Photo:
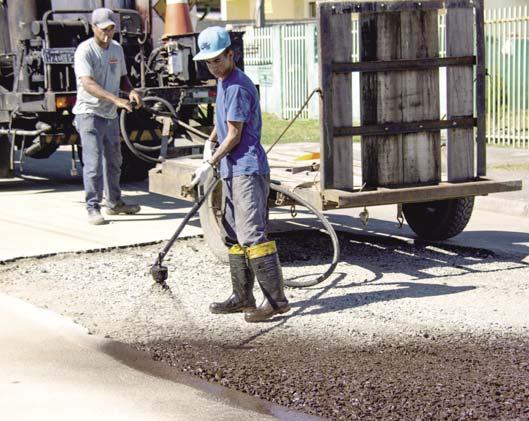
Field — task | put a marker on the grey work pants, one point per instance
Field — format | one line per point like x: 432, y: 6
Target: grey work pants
x: 245, y: 215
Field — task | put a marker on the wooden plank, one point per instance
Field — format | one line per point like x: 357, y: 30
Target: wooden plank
x: 335, y: 44
x: 400, y: 65
x: 460, y: 142
x: 481, y: 73
x: 411, y: 127
x: 441, y: 191
x: 421, y: 152
x: 347, y: 7
x: 381, y: 99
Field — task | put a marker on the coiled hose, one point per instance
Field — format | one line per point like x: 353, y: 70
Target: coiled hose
x: 330, y: 231
x: 138, y: 150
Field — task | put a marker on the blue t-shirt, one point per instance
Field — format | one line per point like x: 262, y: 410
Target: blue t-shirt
x: 237, y: 100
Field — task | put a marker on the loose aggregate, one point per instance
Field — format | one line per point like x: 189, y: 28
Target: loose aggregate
x: 400, y: 330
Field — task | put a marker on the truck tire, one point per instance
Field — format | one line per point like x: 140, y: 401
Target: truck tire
x: 210, y: 215
x: 133, y: 168
x: 440, y: 219
x: 5, y: 157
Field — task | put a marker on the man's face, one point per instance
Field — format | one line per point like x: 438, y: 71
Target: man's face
x: 222, y: 65
x: 104, y: 35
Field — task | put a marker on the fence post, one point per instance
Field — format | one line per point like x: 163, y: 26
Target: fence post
x: 277, y: 65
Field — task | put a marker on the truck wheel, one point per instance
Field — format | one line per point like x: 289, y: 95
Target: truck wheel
x: 439, y: 220
x: 5, y: 157
x: 133, y: 168
x: 210, y: 215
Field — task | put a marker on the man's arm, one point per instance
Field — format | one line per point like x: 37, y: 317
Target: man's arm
x: 232, y: 139
x: 94, y: 89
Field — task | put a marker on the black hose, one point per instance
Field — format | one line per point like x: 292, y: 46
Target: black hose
x: 128, y: 142
x: 159, y: 272
x: 138, y: 150
x: 330, y: 231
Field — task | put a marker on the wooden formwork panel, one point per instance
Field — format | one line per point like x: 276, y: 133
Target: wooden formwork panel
x: 400, y: 98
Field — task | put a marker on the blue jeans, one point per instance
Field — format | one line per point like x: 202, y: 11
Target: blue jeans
x: 101, y: 158
x: 245, y: 216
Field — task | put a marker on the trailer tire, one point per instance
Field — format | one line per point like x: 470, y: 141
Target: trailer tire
x: 210, y: 216
x: 439, y: 220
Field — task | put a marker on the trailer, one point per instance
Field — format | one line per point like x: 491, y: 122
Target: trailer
x: 400, y: 130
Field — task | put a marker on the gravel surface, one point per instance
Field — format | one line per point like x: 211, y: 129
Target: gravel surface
x: 400, y: 330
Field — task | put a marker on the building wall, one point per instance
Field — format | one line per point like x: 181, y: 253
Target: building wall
x: 493, y: 4
x: 274, y: 9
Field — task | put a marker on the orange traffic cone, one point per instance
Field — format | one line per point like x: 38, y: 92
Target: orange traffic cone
x: 177, y: 18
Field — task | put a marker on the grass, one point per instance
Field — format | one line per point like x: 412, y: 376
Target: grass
x: 300, y: 131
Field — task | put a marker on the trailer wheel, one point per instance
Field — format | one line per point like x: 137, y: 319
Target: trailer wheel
x: 210, y: 216
x: 440, y: 219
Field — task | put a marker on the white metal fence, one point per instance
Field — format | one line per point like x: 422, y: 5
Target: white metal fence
x: 283, y: 60
x: 507, y: 96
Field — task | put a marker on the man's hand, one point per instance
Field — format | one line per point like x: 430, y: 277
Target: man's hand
x: 208, y: 150
x: 135, y: 97
x: 123, y: 103
x: 203, y: 175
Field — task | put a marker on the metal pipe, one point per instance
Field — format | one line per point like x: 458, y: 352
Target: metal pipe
x: 5, y: 40
x: 20, y: 15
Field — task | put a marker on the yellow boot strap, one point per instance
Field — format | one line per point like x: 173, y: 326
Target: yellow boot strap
x: 260, y: 250
x: 236, y: 249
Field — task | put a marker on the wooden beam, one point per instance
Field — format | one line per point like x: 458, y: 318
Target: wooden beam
x: 403, y: 128
x: 441, y: 191
x: 348, y: 7
x: 335, y: 44
x: 481, y: 73
x: 400, y: 65
x: 460, y: 99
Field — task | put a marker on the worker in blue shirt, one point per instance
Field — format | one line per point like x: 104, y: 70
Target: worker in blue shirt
x: 245, y: 178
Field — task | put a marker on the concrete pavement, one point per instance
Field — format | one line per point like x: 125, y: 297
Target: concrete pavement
x: 51, y: 369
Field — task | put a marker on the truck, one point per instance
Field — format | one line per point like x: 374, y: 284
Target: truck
x: 38, y: 85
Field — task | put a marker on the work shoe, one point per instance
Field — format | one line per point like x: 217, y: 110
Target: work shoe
x: 122, y: 207
x: 264, y: 262
x: 95, y: 217
x: 242, y: 280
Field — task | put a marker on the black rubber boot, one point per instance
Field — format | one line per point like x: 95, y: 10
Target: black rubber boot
x: 242, y: 280
x: 264, y: 262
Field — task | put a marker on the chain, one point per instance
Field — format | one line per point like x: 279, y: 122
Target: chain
x: 317, y: 90
x: 364, y: 217
x: 400, y: 216
x: 293, y: 211
x: 180, y: 101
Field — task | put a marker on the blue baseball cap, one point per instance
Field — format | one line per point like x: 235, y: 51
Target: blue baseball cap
x: 212, y: 41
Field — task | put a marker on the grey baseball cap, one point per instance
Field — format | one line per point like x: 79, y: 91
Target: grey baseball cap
x: 103, y: 18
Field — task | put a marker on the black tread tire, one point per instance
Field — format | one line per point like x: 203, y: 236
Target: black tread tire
x: 5, y: 157
x: 210, y: 221
x: 439, y: 220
